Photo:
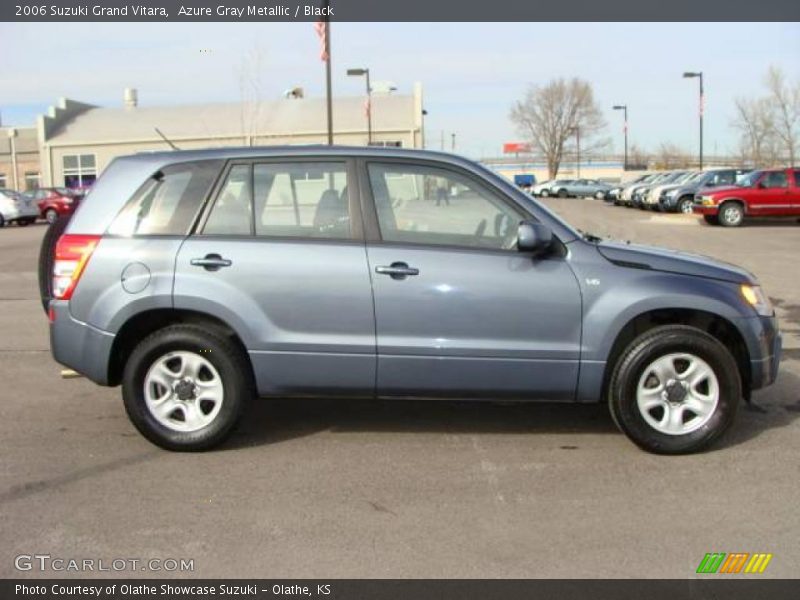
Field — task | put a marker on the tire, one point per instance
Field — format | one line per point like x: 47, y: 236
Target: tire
x: 2, y: 221
x: 23, y: 223
x: 711, y: 219
x: 685, y: 205
x: 544, y: 193
x: 654, y: 429
x: 562, y: 193
x: 47, y: 251
x: 731, y: 214
x: 51, y: 215
x: 224, y: 369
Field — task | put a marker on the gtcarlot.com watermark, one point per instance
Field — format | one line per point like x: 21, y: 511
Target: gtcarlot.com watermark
x: 44, y: 563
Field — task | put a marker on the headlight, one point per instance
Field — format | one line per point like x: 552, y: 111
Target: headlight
x: 755, y: 297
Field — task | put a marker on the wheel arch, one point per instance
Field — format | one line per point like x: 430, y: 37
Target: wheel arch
x: 717, y: 326
x: 735, y: 199
x: 144, y: 323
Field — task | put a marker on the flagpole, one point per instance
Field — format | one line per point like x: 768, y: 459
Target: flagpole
x: 328, y: 71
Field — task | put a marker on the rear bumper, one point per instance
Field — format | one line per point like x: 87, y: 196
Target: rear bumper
x: 78, y: 345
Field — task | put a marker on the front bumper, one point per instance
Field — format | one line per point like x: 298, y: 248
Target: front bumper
x: 764, y: 343
x: 78, y: 345
x: 705, y: 209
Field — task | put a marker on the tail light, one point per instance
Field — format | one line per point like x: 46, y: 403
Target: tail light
x: 72, y: 254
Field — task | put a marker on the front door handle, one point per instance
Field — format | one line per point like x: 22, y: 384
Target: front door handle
x: 397, y: 270
x: 211, y: 262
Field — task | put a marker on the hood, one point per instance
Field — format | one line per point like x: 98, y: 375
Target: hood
x: 672, y: 261
x: 721, y: 188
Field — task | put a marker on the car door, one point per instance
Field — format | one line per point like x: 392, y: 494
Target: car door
x: 774, y: 197
x: 280, y: 256
x: 459, y: 311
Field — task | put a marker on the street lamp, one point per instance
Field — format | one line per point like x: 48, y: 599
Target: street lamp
x: 699, y: 74
x: 365, y: 73
x: 624, y: 108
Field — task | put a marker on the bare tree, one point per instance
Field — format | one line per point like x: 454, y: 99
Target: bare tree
x: 670, y: 156
x: 755, y: 120
x: 549, y: 117
x: 250, y: 90
x: 637, y: 156
x: 785, y: 100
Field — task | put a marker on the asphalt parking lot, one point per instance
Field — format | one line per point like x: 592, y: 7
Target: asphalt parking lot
x: 338, y: 489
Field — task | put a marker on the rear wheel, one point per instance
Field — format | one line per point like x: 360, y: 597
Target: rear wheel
x: 685, y: 205
x: 731, y: 214
x: 562, y: 193
x: 23, y: 222
x: 185, y: 387
x: 674, y: 390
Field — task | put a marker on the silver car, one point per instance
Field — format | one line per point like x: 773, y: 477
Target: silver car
x: 16, y: 208
x: 202, y: 280
x: 582, y: 188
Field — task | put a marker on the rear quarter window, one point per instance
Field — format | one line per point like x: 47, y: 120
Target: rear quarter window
x: 168, y: 202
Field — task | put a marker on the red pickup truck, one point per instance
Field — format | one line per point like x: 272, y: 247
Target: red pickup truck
x: 768, y: 193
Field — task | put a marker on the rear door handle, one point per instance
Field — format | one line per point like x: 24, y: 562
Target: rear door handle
x: 211, y: 262
x: 397, y: 270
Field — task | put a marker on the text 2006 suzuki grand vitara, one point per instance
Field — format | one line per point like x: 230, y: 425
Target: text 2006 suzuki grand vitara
x: 200, y: 280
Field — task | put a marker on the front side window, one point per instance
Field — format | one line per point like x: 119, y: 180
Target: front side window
x: 797, y: 178
x: 775, y: 179
x: 725, y: 178
x: 167, y: 203
x: 430, y: 205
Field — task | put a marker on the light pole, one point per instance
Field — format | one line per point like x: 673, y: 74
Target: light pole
x: 624, y: 108
x: 365, y: 73
x: 699, y: 74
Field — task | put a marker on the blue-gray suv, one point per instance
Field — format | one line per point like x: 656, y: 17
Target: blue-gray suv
x: 201, y: 280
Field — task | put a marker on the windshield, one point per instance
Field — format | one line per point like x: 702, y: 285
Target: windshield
x: 749, y: 179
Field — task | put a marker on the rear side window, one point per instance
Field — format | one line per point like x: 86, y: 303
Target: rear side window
x: 292, y: 199
x: 168, y: 202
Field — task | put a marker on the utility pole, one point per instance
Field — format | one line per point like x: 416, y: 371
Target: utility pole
x: 328, y: 86
x: 452, y: 142
x: 624, y: 108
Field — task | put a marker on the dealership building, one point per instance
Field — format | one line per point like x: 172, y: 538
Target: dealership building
x: 72, y: 144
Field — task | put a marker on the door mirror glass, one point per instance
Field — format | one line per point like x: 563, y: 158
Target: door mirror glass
x: 534, y: 237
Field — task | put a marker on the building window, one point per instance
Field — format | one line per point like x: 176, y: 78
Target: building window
x: 395, y: 144
x: 80, y: 170
x: 32, y: 180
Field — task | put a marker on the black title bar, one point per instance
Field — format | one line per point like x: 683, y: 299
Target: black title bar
x: 401, y: 10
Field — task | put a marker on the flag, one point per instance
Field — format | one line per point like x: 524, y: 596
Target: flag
x: 367, y: 106
x: 702, y: 103
x: 321, y: 27
x: 625, y: 127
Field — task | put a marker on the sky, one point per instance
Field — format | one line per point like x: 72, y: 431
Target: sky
x: 472, y: 73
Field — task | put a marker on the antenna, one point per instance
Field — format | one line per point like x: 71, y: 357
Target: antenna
x: 163, y: 137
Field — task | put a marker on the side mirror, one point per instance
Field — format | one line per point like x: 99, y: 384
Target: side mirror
x: 534, y: 237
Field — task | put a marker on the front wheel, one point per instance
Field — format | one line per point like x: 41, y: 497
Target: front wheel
x: 685, y: 205
x: 731, y: 214
x: 185, y: 387
x: 674, y: 390
x: 51, y: 215
x: 562, y: 193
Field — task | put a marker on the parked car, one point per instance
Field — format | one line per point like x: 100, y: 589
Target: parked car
x: 627, y: 191
x: 54, y: 202
x: 681, y: 199
x: 555, y: 187
x: 542, y: 188
x: 769, y: 193
x: 650, y: 198
x: 581, y: 188
x: 14, y: 208
x: 612, y: 196
x: 637, y: 198
x: 200, y: 280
